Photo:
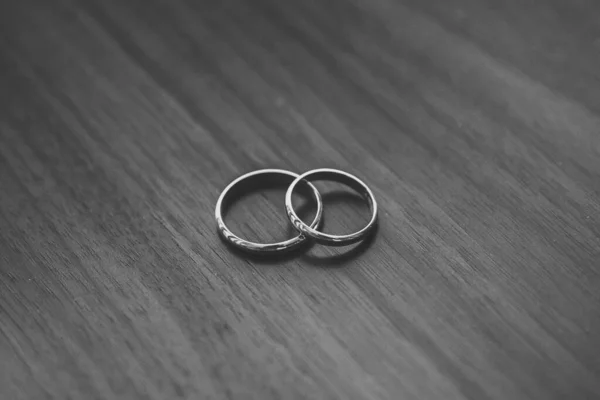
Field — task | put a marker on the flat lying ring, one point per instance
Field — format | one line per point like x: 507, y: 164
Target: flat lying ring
x: 341, y: 177
x: 248, y: 182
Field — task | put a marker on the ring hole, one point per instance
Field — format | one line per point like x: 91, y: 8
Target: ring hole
x: 257, y: 211
x: 344, y: 210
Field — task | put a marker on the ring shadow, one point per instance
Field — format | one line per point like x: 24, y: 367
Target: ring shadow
x: 339, y: 260
x: 333, y: 261
x: 266, y: 258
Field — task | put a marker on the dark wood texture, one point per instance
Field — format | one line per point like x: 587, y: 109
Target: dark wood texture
x: 476, y: 123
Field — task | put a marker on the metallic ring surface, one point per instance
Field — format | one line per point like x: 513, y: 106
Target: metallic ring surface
x: 237, y: 188
x: 341, y: 177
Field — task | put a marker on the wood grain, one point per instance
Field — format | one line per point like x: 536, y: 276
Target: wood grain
x: 476, y: 123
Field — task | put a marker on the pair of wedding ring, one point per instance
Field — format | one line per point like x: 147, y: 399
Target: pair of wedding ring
x: 248, y: 181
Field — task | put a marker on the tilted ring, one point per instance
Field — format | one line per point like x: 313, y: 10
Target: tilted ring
x: 341, y: 177
x: 236, y: 188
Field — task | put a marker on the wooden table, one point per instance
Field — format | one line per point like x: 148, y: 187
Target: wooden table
x: 475, y: 122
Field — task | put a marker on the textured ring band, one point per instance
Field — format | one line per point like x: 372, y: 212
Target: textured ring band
x: 237, y: 187
x: 341, y: 177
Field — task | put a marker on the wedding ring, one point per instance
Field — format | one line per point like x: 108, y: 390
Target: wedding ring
x: 246, y: 183
x: 341, y: 177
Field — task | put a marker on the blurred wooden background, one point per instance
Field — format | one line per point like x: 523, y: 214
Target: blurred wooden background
x: 476, y: 123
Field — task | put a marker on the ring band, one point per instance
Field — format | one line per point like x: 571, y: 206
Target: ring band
x: 341, y: 177
x: 236, y: 188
